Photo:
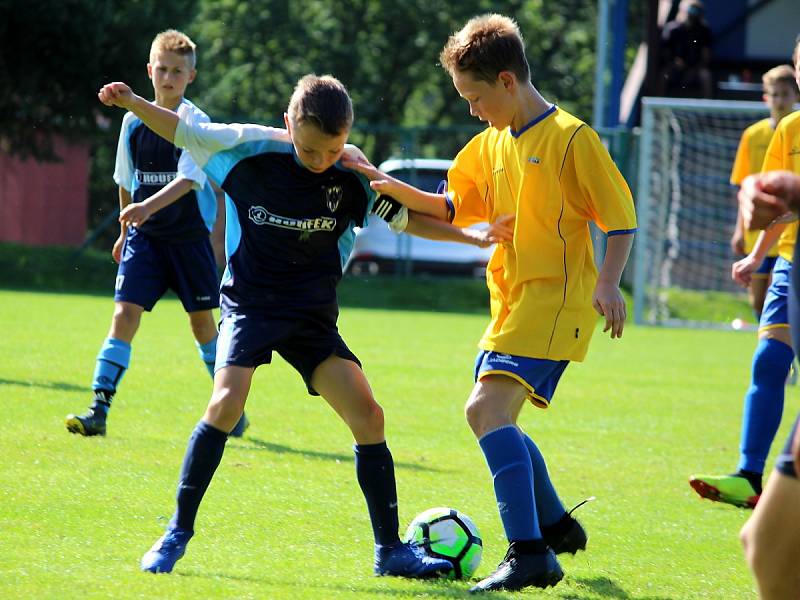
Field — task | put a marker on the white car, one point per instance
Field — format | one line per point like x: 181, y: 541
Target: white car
x: 377, y: 249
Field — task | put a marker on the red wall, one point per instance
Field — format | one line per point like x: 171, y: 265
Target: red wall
x: 45, y: 204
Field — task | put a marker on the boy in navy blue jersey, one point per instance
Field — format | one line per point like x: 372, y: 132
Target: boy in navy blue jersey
x: 290, y: 213
x: 168, y: 209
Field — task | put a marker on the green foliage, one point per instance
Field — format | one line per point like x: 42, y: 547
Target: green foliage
x: 284, y: 518
x: 55, y: 55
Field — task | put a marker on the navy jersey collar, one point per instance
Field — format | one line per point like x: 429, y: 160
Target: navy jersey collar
x: 529, y: 124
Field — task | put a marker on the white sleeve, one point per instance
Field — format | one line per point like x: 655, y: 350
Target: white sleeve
x: 204, y: 140
x: 187, y: 167
x: 123, y: 168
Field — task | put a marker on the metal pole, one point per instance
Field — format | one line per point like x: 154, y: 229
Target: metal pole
x: 600, y: 66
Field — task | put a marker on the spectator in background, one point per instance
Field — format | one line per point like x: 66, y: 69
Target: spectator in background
x: 686, y: 53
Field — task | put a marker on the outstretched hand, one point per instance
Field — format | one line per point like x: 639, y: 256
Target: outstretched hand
x: 116, y: 94
x: 378, y: 180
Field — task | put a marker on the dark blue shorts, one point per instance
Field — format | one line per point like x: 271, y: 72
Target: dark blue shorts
x: 539, y: 375
x: 766, y: 267
x: 776, y: 303
x: 248, y: 340
x: 785, y: 463
x: 149, y: 267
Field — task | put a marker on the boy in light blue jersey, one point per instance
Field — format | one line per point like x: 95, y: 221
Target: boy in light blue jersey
x: 168, y: 209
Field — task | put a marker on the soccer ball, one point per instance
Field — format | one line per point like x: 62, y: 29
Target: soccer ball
x: 447, y: 533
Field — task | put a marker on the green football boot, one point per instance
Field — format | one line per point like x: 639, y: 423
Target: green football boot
x: 730, y: 489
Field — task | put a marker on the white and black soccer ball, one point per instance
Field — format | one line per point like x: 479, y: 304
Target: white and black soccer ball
x: 446, y: 533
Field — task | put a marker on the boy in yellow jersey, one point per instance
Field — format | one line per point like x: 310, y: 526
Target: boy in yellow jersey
x: 763, y: 403
x: 550, y: 172
x: 780, y: 94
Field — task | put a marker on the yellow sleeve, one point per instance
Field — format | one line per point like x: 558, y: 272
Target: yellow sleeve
x: 604, y: 193
x: 741, y: 164
x: 467, y: 188
x: 773, y: 159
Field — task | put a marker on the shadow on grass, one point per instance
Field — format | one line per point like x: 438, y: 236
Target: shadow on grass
x: 428, y: 588
x: 605, y: 587
x: 251, y: 443
x: 48, y: 385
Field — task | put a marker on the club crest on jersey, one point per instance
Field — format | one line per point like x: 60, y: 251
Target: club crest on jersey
x: 258, y: 215
x: 333, y: 196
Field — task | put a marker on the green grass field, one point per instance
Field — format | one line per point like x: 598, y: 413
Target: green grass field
x: 284, y: 518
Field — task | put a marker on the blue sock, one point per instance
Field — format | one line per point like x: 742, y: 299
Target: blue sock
x: 763, y: 404
x: 202, y: 458
x: 112, y: 362
x: 208, y: 352
x: 375, y: 474
x: 512, y: 471
x: 548, y: 505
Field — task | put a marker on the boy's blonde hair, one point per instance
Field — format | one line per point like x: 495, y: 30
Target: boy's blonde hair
x: 779, y: 74
x: 175, y: 41
x: 485, y: 46
x: 323, y: 101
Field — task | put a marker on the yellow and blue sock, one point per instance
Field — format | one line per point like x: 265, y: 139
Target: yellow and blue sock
x: 763, y: 404
x: 203, y: 455
x: 112, y: 362
x: 512, y: 471
x: 208, y: 353
x: 375, y: 474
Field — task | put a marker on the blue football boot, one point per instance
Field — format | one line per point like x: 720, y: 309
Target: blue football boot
x: 167, y: 550
x: 405, y: 560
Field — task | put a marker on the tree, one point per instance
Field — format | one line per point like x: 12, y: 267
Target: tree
x: 55, y: 54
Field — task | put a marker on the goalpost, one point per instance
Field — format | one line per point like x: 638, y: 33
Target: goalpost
x: 685, y: 205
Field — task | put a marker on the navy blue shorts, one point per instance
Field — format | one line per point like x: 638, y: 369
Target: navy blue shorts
x: 785, y: 463
x: 539, y: 375
x: 149, y: 267
x: 248, y: 340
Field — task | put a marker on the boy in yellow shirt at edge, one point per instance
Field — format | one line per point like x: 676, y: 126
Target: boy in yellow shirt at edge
x: 551, y: 173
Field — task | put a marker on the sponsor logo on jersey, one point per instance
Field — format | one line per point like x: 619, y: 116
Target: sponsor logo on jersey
x: 154, y: 177
x: 261, y: 216
x: 534, y: 160
x: 333, y: 195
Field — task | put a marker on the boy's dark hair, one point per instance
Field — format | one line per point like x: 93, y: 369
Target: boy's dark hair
x: 485, y: 46
x: 323, y: 101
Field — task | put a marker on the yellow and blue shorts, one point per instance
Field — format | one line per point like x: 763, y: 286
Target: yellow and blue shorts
x: 775, y: 314
x: 766, y: 267
x: 539, y: 375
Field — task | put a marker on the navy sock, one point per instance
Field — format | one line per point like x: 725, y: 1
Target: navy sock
x: 208, y: 353
x: 548, y: 504
x: 763, y: 404
x: 512, y: 471
x: 375, y: 474
x: 112, y: 362
x: 202, y: 458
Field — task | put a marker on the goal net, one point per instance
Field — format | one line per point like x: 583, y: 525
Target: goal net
x: 685, y: 204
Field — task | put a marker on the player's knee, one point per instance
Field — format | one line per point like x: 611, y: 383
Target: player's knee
x: 477, y: 414
x: 203, y: 327
x: 372, y: 418
x: 126, y: 319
